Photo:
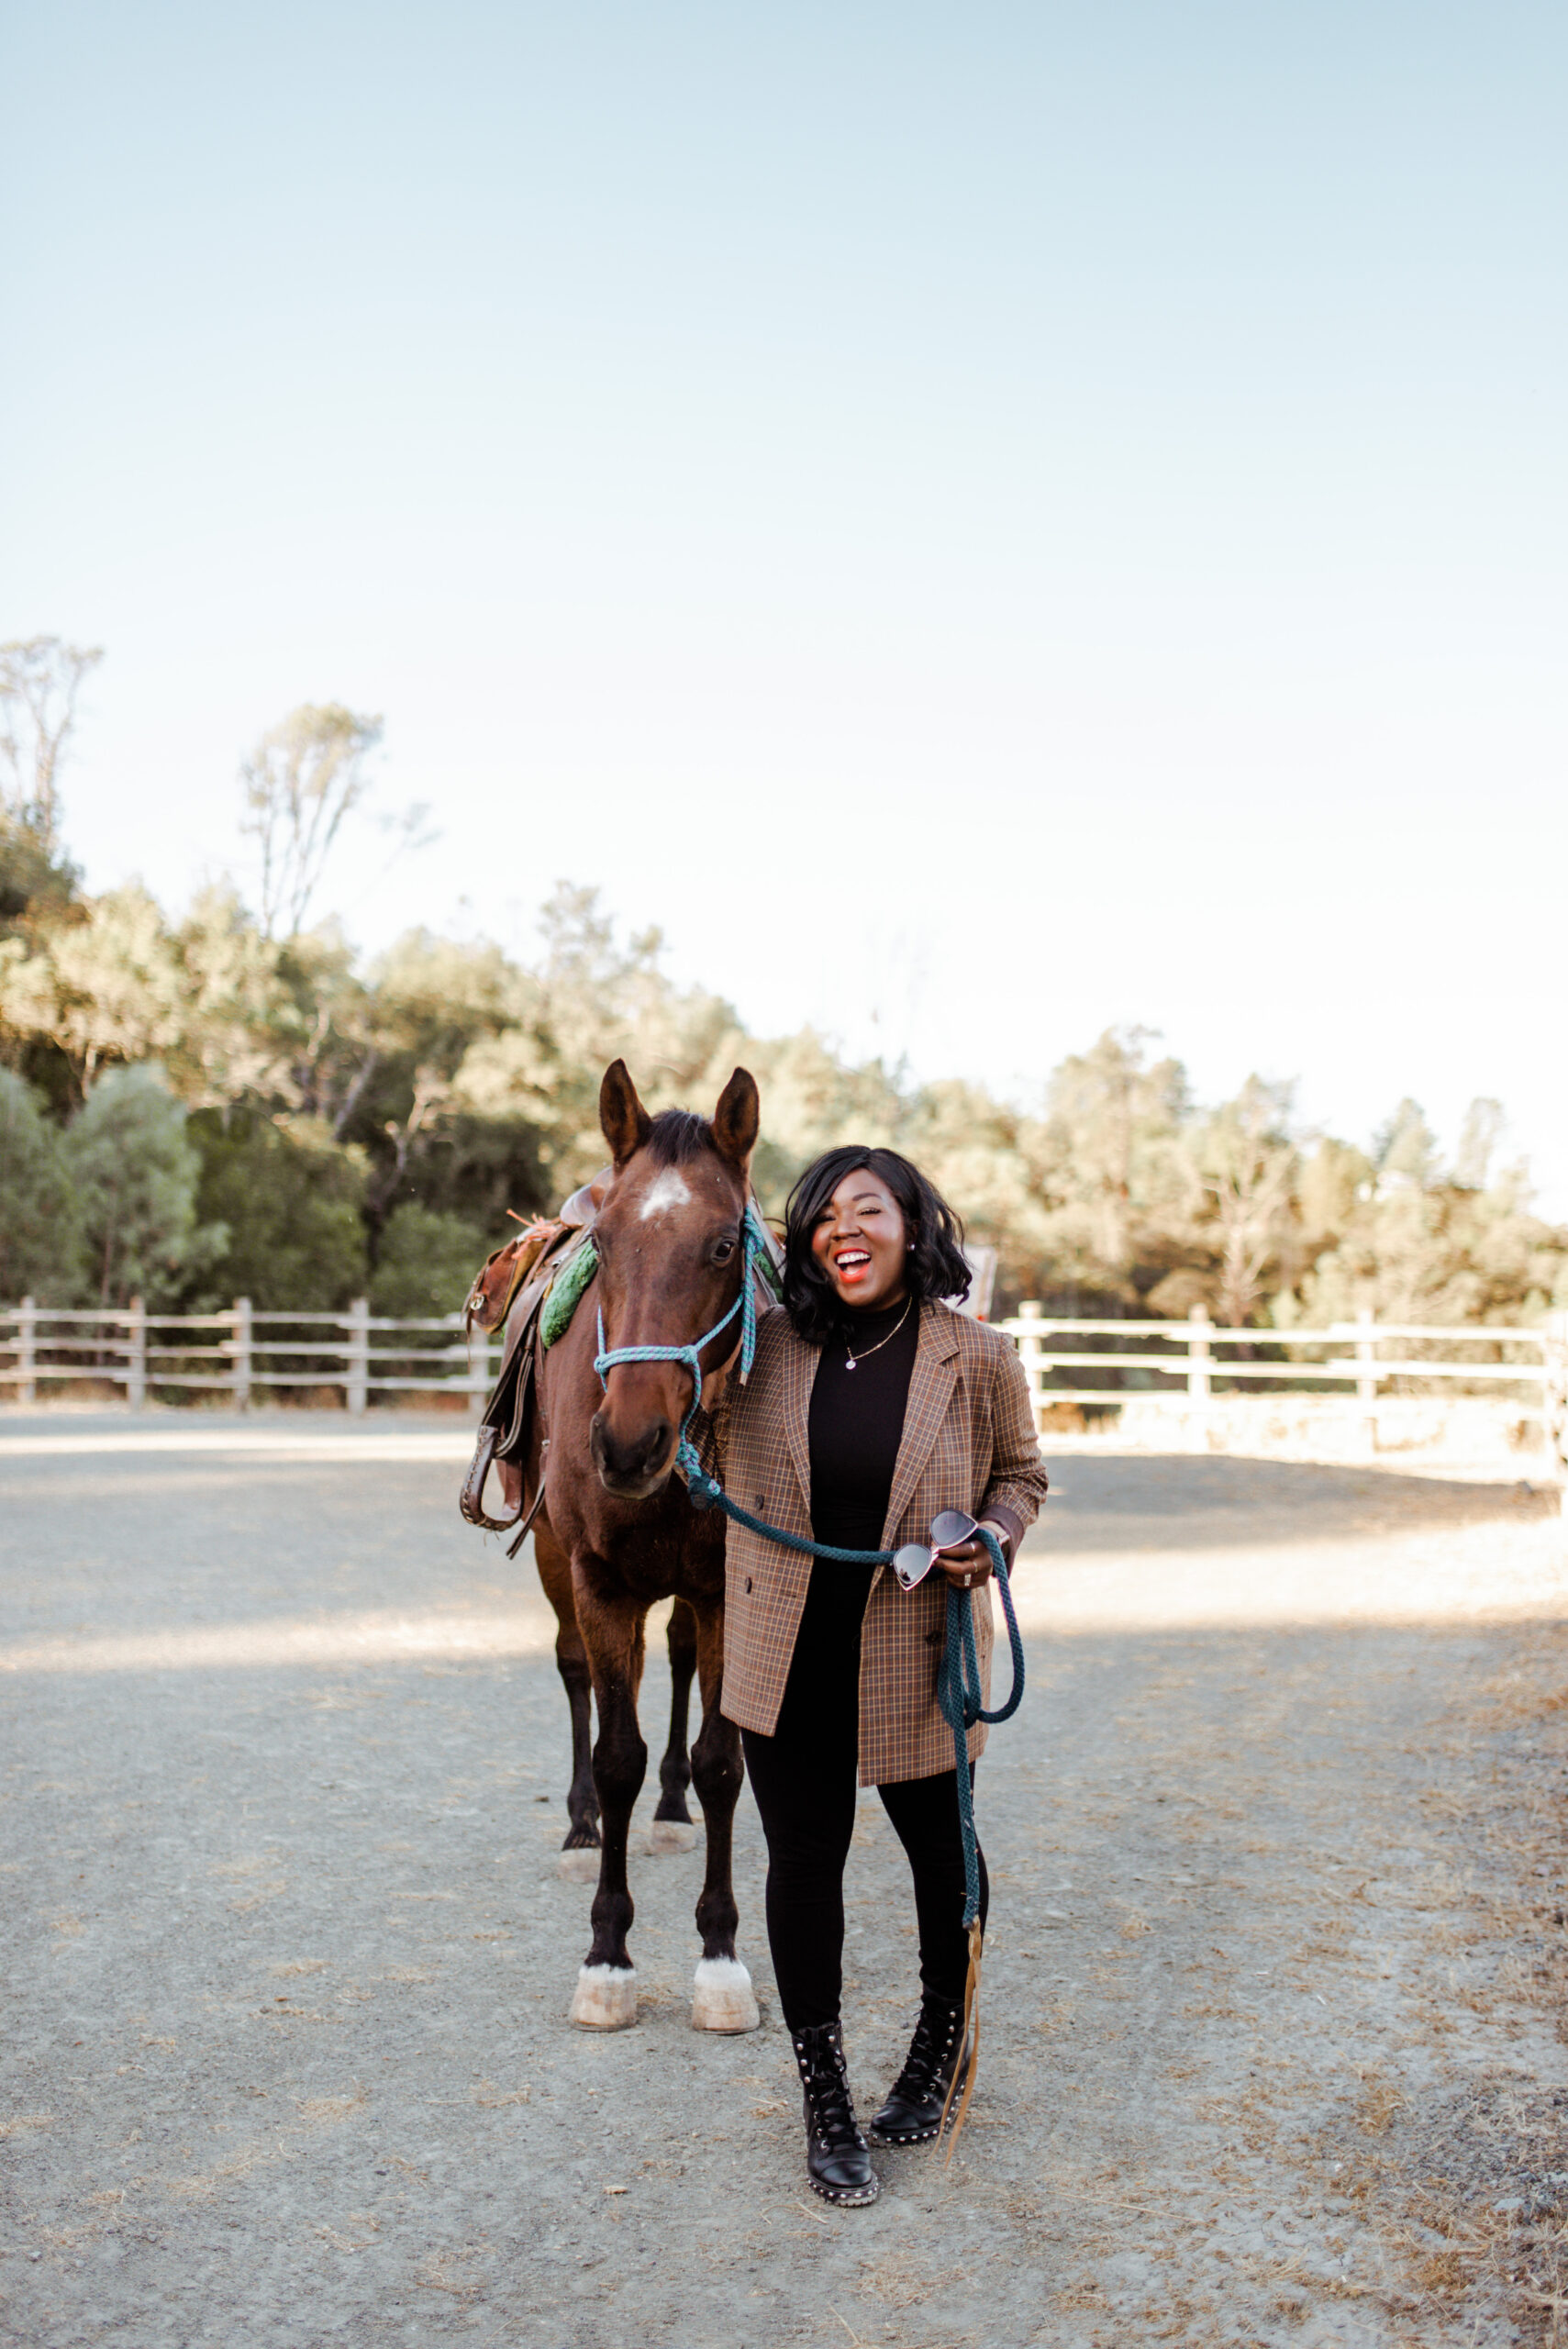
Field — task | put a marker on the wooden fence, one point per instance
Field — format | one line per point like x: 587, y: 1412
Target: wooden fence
x: 239, y: 1352
x: 1199, y: 1359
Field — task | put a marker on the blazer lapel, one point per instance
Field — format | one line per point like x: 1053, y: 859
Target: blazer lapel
x: 801, y: 1362
x: 931, y: 1383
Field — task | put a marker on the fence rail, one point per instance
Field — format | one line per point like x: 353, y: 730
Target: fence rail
x: 240, y: 1352
x: 1196, y: 1357
x: 237, y: 1351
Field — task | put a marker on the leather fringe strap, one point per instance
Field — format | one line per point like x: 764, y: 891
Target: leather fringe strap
x: 970, y: 2016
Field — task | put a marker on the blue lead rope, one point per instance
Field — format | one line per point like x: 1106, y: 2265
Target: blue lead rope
x: 959, y: 1690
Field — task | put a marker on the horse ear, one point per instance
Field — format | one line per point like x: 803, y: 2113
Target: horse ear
x: 737, y: 1118
x: 623, y: 1121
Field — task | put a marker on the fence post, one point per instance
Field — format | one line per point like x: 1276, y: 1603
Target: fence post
x: 1366, y: 1352
x: 1366, y: 1375
x: 27, y: 1351
x: 1031, y: 1350
x: 1199, y: 1358
x: 243, y: 1341
x: 359, y: 1355
x: 478, y: 1370
x: 136, y: 1355
x: 1554, y: 1397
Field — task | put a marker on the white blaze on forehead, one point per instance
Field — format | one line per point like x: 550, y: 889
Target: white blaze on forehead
x: 667, y: 1193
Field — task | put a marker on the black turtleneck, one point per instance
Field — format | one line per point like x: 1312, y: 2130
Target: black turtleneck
x: 856, y: 1423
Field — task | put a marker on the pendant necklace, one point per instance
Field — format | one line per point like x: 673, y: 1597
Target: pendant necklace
x: 850, y: 1358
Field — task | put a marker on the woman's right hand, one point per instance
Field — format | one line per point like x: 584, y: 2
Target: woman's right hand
x: 968, y: 1564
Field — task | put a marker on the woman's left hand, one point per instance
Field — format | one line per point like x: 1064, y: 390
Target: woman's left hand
x: 968, y: 1564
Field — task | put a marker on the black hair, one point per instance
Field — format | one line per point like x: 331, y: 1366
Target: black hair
x: 936, y: 1266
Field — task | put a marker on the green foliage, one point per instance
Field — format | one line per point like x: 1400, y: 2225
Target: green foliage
x: 34, y: 878
x: 133, y: 1170
x: 290, y: 1200
x: 427, y: 1263
x: 367, y: 1128
x: 41, y: 1239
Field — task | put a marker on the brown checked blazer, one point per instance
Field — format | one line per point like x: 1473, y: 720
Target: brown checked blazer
x: 968, y: 1442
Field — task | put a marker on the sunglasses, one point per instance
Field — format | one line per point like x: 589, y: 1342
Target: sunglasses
x: 915, y: 1561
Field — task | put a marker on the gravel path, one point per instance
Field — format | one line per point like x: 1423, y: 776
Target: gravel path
x: 288, y: 1957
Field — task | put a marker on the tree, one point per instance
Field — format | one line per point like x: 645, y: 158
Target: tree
x: 40, y: 1234
x: 39, y: 680
x: 117, y: 983
x: 299, y: 782
x: 1247, y: 1164
x: 289, y: 1199
x: 427, y: 1263
x: 1118, y: 1190
x: 1482, y: 1132
x: 134, y: 1171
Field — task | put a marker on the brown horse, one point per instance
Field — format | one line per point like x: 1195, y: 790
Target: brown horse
x: 618, y: 1533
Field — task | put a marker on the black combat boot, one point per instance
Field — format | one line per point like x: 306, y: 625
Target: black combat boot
x: 913, y: 2109
x: 837, y: 2158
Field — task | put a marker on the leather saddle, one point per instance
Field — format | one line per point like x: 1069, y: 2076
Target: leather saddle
x: 511, y: 1288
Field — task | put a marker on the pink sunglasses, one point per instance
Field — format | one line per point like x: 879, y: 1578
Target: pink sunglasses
x: 913, y: 1561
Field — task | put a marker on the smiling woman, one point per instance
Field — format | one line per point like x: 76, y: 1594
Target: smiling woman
x: 873, y: 1406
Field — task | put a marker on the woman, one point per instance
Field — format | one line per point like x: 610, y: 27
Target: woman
x: 871, y: 1406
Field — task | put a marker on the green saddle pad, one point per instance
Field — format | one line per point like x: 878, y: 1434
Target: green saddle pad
x: 566, y: 1293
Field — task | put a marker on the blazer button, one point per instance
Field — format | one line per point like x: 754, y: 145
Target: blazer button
x: 748, y: 1582
x: 761, y: 1500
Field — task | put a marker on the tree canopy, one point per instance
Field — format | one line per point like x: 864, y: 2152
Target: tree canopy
x: 230, y: 1103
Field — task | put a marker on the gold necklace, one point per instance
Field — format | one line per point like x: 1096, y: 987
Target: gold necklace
x: 850, y: 1359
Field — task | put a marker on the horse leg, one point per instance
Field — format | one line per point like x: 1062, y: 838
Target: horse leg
x: 612, y: 1628
x: 572, y: 1663
x: 672, y: 1830
x: 722, y: 1996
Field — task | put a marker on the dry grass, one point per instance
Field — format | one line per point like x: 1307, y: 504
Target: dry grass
x: 1471, y: 2191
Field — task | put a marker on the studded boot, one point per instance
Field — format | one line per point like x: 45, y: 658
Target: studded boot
x: 913, y: 2111
x: 838, y: 2161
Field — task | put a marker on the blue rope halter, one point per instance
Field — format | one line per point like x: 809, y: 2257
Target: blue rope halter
x: 753, y: 1241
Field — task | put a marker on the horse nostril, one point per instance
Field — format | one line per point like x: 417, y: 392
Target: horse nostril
x: 630, y: 1459
x: 654, y: 1443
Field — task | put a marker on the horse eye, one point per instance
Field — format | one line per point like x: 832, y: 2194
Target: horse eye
x: 722, y: 1251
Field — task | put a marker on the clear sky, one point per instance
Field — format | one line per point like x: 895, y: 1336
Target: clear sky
x: 982, y: 522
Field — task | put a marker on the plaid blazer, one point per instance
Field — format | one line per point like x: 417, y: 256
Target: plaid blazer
x: 968, y: 1442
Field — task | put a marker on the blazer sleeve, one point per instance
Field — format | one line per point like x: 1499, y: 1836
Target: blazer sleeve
x: 1018, y: 1480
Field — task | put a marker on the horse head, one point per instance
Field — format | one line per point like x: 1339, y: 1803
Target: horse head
x: 669, y: 1235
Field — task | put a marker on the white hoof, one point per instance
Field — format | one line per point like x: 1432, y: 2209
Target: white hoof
x: 606, y: 1997
x: 672, y: 1836
x: 722, y: 1996
x: 580, y: 1865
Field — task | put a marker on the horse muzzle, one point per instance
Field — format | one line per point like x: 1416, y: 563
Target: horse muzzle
x: 631, y: 1467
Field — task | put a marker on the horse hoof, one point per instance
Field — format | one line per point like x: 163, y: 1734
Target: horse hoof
x: 672, y: 1836
x: 606, y: 1997
x: 722, y: 1996
x: 581, y: 1866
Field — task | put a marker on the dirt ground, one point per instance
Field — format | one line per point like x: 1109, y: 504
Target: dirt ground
x: 1273, y: 1988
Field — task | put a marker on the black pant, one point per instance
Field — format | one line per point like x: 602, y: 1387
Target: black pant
x: 803, y: 1778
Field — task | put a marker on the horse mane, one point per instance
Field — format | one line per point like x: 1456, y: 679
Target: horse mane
x: 677, y: 1136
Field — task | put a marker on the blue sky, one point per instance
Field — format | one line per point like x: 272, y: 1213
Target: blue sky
x: 983, y: 524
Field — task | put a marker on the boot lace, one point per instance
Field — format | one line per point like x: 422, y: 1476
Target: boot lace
x: 832, y: 2108
x: 931, y: 2050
